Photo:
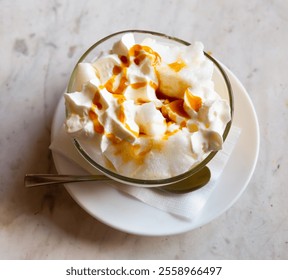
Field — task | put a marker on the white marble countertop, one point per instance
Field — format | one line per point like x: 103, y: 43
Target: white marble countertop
x: 40, y: 43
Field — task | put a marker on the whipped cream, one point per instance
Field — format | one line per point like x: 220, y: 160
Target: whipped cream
x: 147, y: 110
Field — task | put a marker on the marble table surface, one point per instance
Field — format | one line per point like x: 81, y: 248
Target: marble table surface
x: 40, y: 43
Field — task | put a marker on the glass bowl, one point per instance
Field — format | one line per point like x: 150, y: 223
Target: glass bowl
x: 221, y: 84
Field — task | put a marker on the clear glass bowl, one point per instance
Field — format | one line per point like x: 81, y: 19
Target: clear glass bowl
x: 222, y: 87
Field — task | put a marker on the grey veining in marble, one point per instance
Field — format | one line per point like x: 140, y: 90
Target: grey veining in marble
x: 40, y: 43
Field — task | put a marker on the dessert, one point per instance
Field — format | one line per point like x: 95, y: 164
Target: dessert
x: 147, y: 110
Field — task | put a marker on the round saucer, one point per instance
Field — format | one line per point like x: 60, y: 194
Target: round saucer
x: 127, y: 214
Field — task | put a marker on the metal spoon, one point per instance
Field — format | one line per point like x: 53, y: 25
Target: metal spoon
x: 189, y: 184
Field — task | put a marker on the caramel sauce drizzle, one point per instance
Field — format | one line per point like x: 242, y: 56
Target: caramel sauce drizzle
x: 109, y: 84
x: 135, y: 133
x: 96, y: 100
x: 140, y: 52
x: 177, y: 107
x: 121, y: 114
x: 138, y: 85
x: 136, y: 152
x: 153, y: 85
x: 124, y: 60
x: 195, y: 102
x: 193, y: 127
x: 129, y: 152
x: 113, y: 138
x: 98, y: 127
x: 177, y: 65
x: 169, y: 133
x: 117, y: 70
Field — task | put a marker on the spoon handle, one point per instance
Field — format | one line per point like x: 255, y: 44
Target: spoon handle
x: 191, y: 183
x: 35, y: 180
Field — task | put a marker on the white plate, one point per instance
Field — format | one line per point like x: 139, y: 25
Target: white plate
x: 127, y: 214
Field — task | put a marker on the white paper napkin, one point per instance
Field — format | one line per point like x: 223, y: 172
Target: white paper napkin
x: 185, y: 205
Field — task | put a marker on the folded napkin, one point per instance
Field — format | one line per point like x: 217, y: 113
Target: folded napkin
x: 185, y: 205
